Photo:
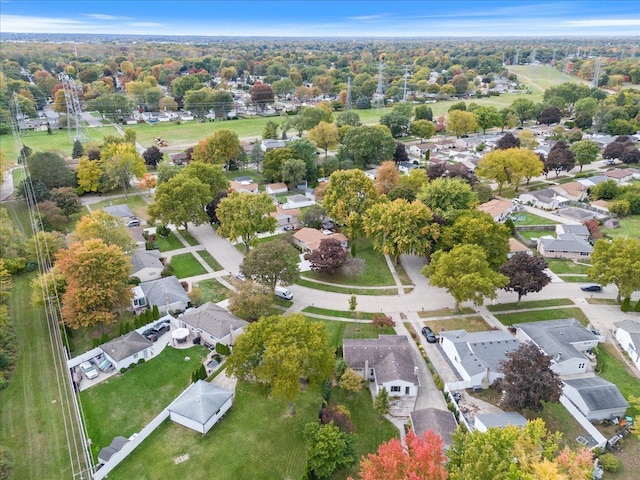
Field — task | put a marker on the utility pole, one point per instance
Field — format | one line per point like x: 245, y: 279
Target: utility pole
x: 379, y: 95
x: 404, y: 90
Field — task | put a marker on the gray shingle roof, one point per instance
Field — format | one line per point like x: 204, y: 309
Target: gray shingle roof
x: 146, y: 259
x: 566, y: 243
x: 501, y: 419
x: 545, y: 195
x: 633, y: 328
x: 389, y: 355
x: 441, y: 422
x: 116, y: 445
x: 556, y: 337
x: 125, y: 346
x: 200, y: 401
x: 479, y: 351
x: 598, y: 393
x: 213, y: 320
x: 158, y: 292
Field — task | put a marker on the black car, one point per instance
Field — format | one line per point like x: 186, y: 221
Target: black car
x: 429, y: 335
x: 161, y: 327
x: 591, y: 288
x: 150, y: 334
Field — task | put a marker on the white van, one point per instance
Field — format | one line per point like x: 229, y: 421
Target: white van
x: 283, y: 293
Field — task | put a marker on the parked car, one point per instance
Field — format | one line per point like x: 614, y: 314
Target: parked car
x: 150, y: 334
x: 429, y: 335
x: 161, y: 328
x: 89, y: 371
x: 241, y: 276
x: 283, y: 293
x: 591, y: 288
x: 134, y: 222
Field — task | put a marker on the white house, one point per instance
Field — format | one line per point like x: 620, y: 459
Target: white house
x: 200, y: 406
x: 627, y: 333
x: 167, y: 293
x: 547, y: 199
x: 595, y: 397
x: 406, y: 167
x: 298, y: 201
x: 484, y: 421
x: 386, y: 361
x: 127, y: 349
x: 308, y: 239
x: 146, y: 265
x: 476, y: 356
x: 275, y: 188
x: 213, y: 324
x: 565, y: 341
x: 566, y: 245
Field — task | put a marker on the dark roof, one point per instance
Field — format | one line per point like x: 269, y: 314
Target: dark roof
x: 200, y: 401
x: 389, y: 355
x: 500, y: 420
x: 441, y: 422
x: 566, y: 242
x: 116, y: 445
x: 125, y: 346
x: 598, y: 393
x: 213, y: 320
x: 164, y: 290
x: 146, y: 259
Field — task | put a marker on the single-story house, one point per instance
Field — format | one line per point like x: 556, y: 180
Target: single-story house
x: 271, y: 144
x: 167, y: 293
x: 595, y: 397
x: 121, y: 211
x: 578, y: 214
x: 372, y: 173
x: 575, y: 191
x: 601, y: 205
x: 146, y: 265
x: 243, y: 187
x: 386, y: 361
x: 406, y: 167
x: 287, y: 219
x: 593, y: 181
x: 566, y: 245
x: 441, y: 422
x: 547, y: 199
x: 621, y: 175
x: 565, y: 341
x: 419, y: 149
x: 127, y: 349
x: 484, y: 421
x: 200, y: 406
x: 476, y: 356
x: 180, y: 158
x: 115, y: 446
x: 516, y: 247
x: 308, y: 239
x: 627, y: 333
x: 578, y: 231
x: 212, y: 323
x: 275, y: 188
x: 298, y: 201
x: 499, y: 210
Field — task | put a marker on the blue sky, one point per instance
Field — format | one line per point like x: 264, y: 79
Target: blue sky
x: 433, y: 18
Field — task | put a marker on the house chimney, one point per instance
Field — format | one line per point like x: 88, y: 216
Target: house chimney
x: 558, y: 356
x: 415, y: 371
x: 366, y: 369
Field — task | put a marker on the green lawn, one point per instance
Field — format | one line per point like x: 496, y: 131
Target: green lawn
x: 213, y: 290
x: 529, y: 234
x: 188, y: 237
x: 470, y: 324
x: 338, y: 330
x: 531, y: 219
x: 539, y: 315
x: 31, y: 422
x: 629, y: 227
x: 559, y: 266
x: 209, y: 260
x: 348, y: 290
x: 256, y: 439
x: 615, y: 370
x: 444, y: 312
x: 543, y: 77
x: 123, y: 404
x: 574, y: 278
x: 136, y: 203
x: 339, y: 313
x: 169, y: 243
x: 82, y: 339
x: 185, y: 265
x: 557, y: 302
x: 558, y: 419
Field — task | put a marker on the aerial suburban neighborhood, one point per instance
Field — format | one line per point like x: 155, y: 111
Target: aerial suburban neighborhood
x: 319, y: 248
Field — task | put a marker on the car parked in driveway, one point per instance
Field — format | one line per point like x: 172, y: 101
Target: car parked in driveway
x: 134, y: 222
x: 429, y: 335
x: 161, y: 327
x: 150, y: 334
x: 89, y: 371
x: 591, y: 288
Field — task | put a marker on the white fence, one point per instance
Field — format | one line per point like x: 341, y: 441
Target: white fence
x: 75, y: 361
x: 128, y: 447
x: 450, y: 387
x: 583, y: 421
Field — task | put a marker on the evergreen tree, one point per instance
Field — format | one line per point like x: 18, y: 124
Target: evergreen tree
x: 381, y: 403
x: 78, y: 149
x: 156, y: 313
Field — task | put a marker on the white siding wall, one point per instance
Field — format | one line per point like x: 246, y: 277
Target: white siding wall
x: 124, y: 363
x: 624, y: 339
x: 402, y: 386
x: 450, y: 350
x: 571, y: 366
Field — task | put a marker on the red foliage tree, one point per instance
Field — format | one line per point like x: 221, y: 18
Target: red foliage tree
x: 339, y: 415
x: 262, y: 95
x: 423, y: 457
x: 328, y: 257
x: 594, y: 229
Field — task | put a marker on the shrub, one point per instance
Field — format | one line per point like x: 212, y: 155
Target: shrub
x: 141, y: 361
x: 163, y: 231
x: 637, y: 307
x: 353, y: 266
x: 134, y: 281
x: 133, y: 365
x: 223, y: 349
x: 609, y: 462
x: 156, y: 313
x: 167, y: 271
x: 626, y: 305
x: 123, y: 369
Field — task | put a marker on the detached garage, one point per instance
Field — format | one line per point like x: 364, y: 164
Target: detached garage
x: 200, y: 406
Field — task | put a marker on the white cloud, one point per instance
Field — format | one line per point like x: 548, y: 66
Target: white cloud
x: 100, y: 16
x: 145, y: 24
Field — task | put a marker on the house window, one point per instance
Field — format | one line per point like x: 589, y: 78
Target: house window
x: 395, y: 389
x: 406, y: 390
x: 135, y: 355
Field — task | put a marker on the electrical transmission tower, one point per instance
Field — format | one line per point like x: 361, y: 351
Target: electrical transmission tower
x: 553, y: 59
x: 515, y: 60
x: 379, y: 95
x: 404, y: 89
x: 74, y: 112
x: 565, y: 71
x: 596, y: 75
x: 534, y: 67
x: 347, y: 104
x: 17, y: 114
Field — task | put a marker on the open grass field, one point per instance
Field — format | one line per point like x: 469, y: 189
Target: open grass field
x: 553, y: 302
x: 541, y: 77
x: 123, y: 404
x: 31, y: 422
x: 186, y: 265
x: 629, y: 227
x: 539, y: 315
x: 213, y: 291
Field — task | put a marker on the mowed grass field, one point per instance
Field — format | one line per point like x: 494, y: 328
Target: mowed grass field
x: 541, y: 77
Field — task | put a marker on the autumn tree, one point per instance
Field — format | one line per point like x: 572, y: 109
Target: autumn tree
x: 180, y: 201
x: 97, y: 282
x: 47, y: 244
x: 528, y: 379
x: 152, y: 156
x: 328, y: 257
x: 423, y: 129
x: 273, y: 161
x: 262, y: 95
x: 419, y: 457
x: 510, y: 166
x: 525, y: 273
x: 550, y: 115
x: 400, y: 227
x: 465, y: 273
x: 45, y: 284
x: 277, y: 351
x: 251, y: 301
x: 329, y: 449
x: 349, y: 195
x: 445, y: 196
x: 528, y: 139
x: 508, y: 140
x: 272, y: 263
x: 148, y: 181
x: 616, y: 262
x: 122, y: 163
x: 585, y: 152
x: 339, y: 415
x: 242, y: 216
x: 104, y: 226
x: 325, y: 135
x: 221, y: 148
x: 350, y: 380
x: 89, y: 173
x: 387, y: 177
x: 459, y: 122
x: 560, y: 158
